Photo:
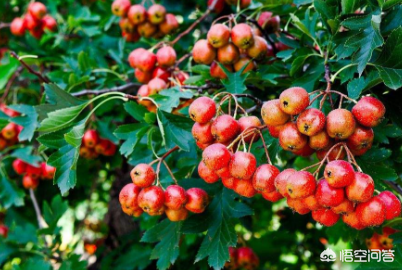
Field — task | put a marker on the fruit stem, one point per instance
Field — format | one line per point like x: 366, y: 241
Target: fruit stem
x: 170, y: 172
x: 265, y: 147
x: 316, y: 97
x: 342, y: 95
x: 342, y: 69
x: 321, y: 163
x: 160, y: 160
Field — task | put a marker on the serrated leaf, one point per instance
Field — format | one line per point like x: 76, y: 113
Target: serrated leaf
x: 75, y: 135
x: 26, y: 155
x: 235, y: 81
x: 54, y: 140
x: 378, y: 170
x: 328, y: 10
x: 384, y: 131
x: 10, y: 194
x: 7, y: 70
x: 132, y: 134
x: 53, y: 212
x: 28, y: 120
x: 167, y: 250
x: 135, y: 110
x: 170, y: 98
x: 176, y: 130
x: 357, y: 86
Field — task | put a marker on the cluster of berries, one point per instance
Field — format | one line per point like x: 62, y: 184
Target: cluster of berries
x: 138, y: 22
x: 233, y: 48
x: 32, y: 174
x: 143, y: 196
x: 93, y: 145
x: 156, y: 71
x: 219, y: 5
x: 36, y: 21
x: 9, y: 134
x: 342, y: 192
x: 381, y: 241
x: 313, y: 131
x: 242, y: 258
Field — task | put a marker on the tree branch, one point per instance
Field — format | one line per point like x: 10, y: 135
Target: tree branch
x: 394, y: 186
x: 130, y: 86
x: 39, y: 216
x: 4, y: 25
x: 42, y: 78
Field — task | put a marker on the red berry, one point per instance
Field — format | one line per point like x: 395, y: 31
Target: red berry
x: 47, y: 171
x: 300, y: 185
x: 166, y: 56
x: 3, y: 230
x: 161, y: 74
x: 90, y: 139
x: 369, y: 111
x: 137, y: 14
x: 272, y: 115
x: 294, y: 100
x: 218, y: 5
x: 218, y: 35
x: 151, y: 199
x: 10, y: 131
x: 156, y: 14
x: 217, y: 72
x: 228, y: 54
x: 19, y: 166
x: 176, y: 215
x: 306, y: 151
x: 143, y: 175
x: 224, y: 128
x: 228, y: 182
x: 202, y: 110
x: 30, y: 181
x: 344, y: 207
x: 298, y: 206
x: 340, y: 124
x: 351, y: 220
x: 319, y: 141
x: 128, y: 198
x: 392, y: 204
x: 169, y: 24
x: 142, y: 77
x: 339, y: 173
x: 175, y: 197
x: 311, y: 203
x: 203, y: 52
x: 274, y: 130
x: 18, y: 27
x: 206, y: 174
x: 49, y: 23
x: 197, y: 200
x: 232, y: 263
x: 156, y: 85
x: 242, y: 165
x: 145, y: 61
x: 372, y: 212
x: 247, y: 123
x: 37, y: 10
x: 291, y: 139
x: 242, y: 35
x: 202, y: 132
x: 264, y: 178
x: 35, y: 172
x: 216, y: 156
x: 244, y: 187
x: 273, y: 196
x: 244, y: 61
x: 246, y: 258
x: 325, y: 217
x: 361, y: 189
x: 268, y: 22
x: 281, y: 181
x: 121, y: 7
x: 311, y: 121
x: 329, y: 196
x: 361, y: 140
x: 134, y: 55
x: 259, y: 49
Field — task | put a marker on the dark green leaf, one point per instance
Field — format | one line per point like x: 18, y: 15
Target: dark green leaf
x: 29, y: 120
x: 10, y: 194
x: 235, y: 81
x: 23, y: 234
x: 358, y: 85
x: 132, y: 134
x: 7, y: 70
x: 26, y: 155
x: 73, y: 263
x: 170, y: 98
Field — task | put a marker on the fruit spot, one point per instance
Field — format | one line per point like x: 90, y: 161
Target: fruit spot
x: 285, y: 104
x: 306, y: 127
x: 329, y: 173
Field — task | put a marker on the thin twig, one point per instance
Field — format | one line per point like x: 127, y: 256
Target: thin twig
x: 200, y: 88
x: 133, y: 86
x: 39, y: 216
x: 42, y: 78
x: 161, y: 159
x: 4, y: 25
x: 327, y: 76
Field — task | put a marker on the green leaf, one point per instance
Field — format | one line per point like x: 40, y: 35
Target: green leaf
x: 359, y: 85
x: 378, y: 170
x: 221, y: 234
x: 10, y: 194
x: 53, y: 212
x: 53, y: 140
x: 384, y: 131
x: 137, y: 257
x: 73, y: 263
x: 37, y: 263
x: 376, y: 155
x: 74, y: 136
x: 135, y: 110
x: 170, y: 98
x: 29, y: 121
x: 132, y: 134
x: 350, y: 6
x: 176, y: 130
x: 390, y: 3
x: 26, y: 155
x: 167, y: 250
x: 23, y: 234
x: 366, y: 37
x: 7, y: 70
x: 65, y: 160
x: 328, y: 11
x: 235, y: 81
x: 5, y: 250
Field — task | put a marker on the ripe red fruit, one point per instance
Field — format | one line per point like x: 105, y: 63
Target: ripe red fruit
x: 242, y: 35
x: 319, y: 141
x: 272, y: 115
x: 290, y: 138
x: 31, y: 23
x: 340, y: 124
x: 49, y: 23
x: 294, y: 100
x: 121, y: 7
x: 344, y: 207
x: 218, y: 7
x: 361, y: 189
x: 259, y: 49
x: 147, y: 29
x: 156, y: 85
x: 10, y: 131
x: 102, y: 146
x: 369, y: 111
x: 248, y: 122
x: 203, y: 52
x: 169, y: 24
x: 8, y: 111
x: 217, y: 72
x: 268, y: 22
x: 311, y: 121
x: 244, y: 188
x: 246, y: 258
x: 91, y: 138
x: 37, y: 10
x: 391, y: 203
x: 281, y: 181
x: 47, y: 171
x: 151, y: 199
x: 18, y: 27
x: 228, y: 182
x: 128, y: 198
x: 157, y: 212
x: 361, y: 140
x: 35, y: 172
x: 176, y: 215
x: 339, y: 173
x: 30, y: 182
x: 218, y: 35
x: 264, y: 178
x: 3, y: 230
x: 19, y: 166
x: 329, y: 196
x: 126, y: 26
x: 242, y: 165
x: 298, y: 206
x: 244, y: 3
x: 145, y: 61
x: 351, y: 220
x: 274, y: 130
x: 141, y: 76
x: 232, y: 263
x: 337, y: 153
x: 175, y: 197
x: 300, y: 185
x: 224, y: 128
x: 156, y: 14
x: 161, y: 73
x: 110, y: 150
x: 244, y: 61
x: 202, y: 132
x: 202, y: 110
x: 228, y: 54
x: 372, y: 212
x: 197, y: 200
x: 311, y: 203
x: 137, y: 14
x: 216, y: 156
x: 133, y: 56
x: 306, y: 151
x: 325, y: 217
x: 166, y: 56
x: 131, y: 37
x: 206, y: 174
x: 273, y: 196
x: 143, y: 175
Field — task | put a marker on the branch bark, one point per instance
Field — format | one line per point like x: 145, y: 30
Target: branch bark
x: 41, y: 77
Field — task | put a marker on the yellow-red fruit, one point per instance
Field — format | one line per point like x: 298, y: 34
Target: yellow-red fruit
x: 49, y: 23
x: 264, y: 178
x: 156, y: 85
x: 325, y: 217
x: 176, y: 215
x: 273, y: 196
x: 218, y: 35
x: 244, y: 188
x: 156, y: 14
x: 141, y: 76
x: 294, y: 100
x: 228, y: 182
x: 351, y: 220
x: 147, y: 29
x: 361, y: 189
x: 202, y: 110
x: 291, y: 139
x: 298, y: 206
x: 30, y: 182
x: 18, y: 27
x: 216, y: 156
x: 242, y: 36
x: 371, y: 213
x: 224, y: 128
x: 143, y: 175
x: 300, y: 185
x: 126, y: 26
x: 319, y: 141
x: 166, y: 56
x: 175, y: 197
x: 259, y: 49
x: 242, y: 165
x: 217, y: 72
x: 169, y: 24
x: 10, y: 131
x: 344, y: 207
x: 311, y: 121
x: 145, y: 61
x: 206, y: 174
x: 203, y: 52
x: 361, y: 140
x: 274, y: 130
x: 128, y: 198
x: 392, y: 204
x: 281, y: 181
x: 311, y: 203
x: 197, y: 201
x: 246, y: 62
x: 339, y: 173
x: 247, y: 259
x: 137, y: 14
x: 247, y: 123
x: 340, y: 124
x: 132, y: 57
x: 151, y: 199
x: 272, y: 115
x: 369, y: 111
x: 121, y: 7
x: 228, y: 54
x: 329, y: 196
x: 37, y: 10
x: 202, y: 132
